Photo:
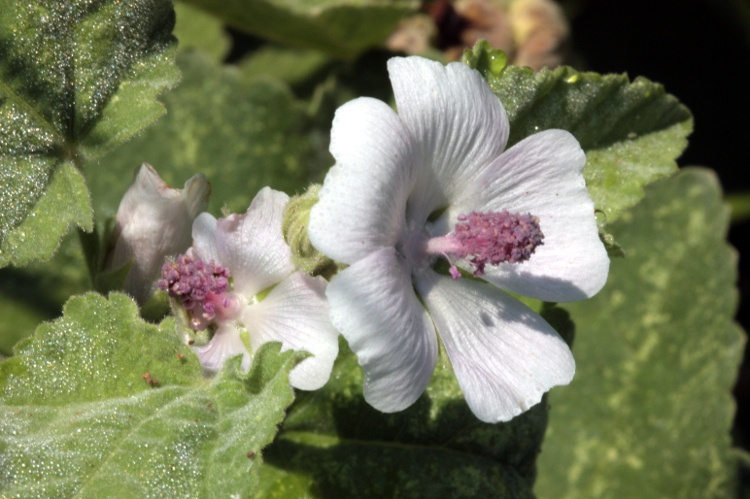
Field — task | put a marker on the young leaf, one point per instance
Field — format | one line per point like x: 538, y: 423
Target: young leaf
x: 335, y: 445
x: 101, y: 404
x: 632, y: 132
x: 77, y: 78
x: 649, y: 411
x: 339, y: 27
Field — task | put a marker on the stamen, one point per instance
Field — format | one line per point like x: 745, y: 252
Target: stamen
x: 497, y: 237
x: 488, y: 238
x: 201, y: 288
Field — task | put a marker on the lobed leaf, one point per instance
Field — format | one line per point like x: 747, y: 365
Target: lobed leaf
x: 102, y: 404
x: 77, y: 78
x: 650, y: 409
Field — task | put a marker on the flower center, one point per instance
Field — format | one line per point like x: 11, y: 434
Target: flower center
x: 489, y: 238
x: 202, y: 288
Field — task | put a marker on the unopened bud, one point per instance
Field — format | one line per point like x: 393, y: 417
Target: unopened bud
x: 153, y: 222
x: 294, y: 226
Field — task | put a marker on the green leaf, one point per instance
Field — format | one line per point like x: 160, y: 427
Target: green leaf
x: 241, y: 135
x: 339, y: 27
x: 292, y: 66
x: 37, y: 292
x: 195, y: 29
x: 101, y: 404
x: 333, y: 444
x: 650, y: 409
x: 77, y: 78
x: 632, y: 132
x: 65, y: 203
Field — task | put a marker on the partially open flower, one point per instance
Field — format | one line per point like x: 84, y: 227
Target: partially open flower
x: 238, y: 283
x: 153, y: 221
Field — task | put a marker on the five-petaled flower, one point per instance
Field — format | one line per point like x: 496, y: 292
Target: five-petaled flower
x: 238, y: 280
x: 435, y: 181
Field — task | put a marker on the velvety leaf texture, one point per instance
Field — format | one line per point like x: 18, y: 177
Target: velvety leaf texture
x: 340, y: 27
x: 632, y: 131
x: 101, y: 404
x: 76, y: 79
x: 650, y: 409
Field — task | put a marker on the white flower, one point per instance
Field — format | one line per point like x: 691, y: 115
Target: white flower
x: 405, y: 191
x: 153, y: 221
x: 238, y: 280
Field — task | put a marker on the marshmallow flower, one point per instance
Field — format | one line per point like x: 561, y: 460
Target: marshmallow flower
x: 435, y: 182
x: 238, y: 281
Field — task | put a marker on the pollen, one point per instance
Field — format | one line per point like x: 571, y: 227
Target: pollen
x: 497, y: 237
x: 200, y: 287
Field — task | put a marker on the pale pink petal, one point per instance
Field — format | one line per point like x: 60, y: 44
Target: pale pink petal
x: 252, y: 245
x: 504, y: 355
x: 363, y: 200
x: 374, y: 306
x: 225, y: 344
x: 459, y: 125
x: 204, y: 238
x: 542, y: 175
x: 295, y: 313
x: 153, y: 222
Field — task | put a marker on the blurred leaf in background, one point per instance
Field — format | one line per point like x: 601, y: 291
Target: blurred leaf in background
x: 342, y: 28
x: 650, y: 409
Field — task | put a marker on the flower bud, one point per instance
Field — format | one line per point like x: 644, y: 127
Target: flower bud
x: 153, y: 221
x: 294, y: 226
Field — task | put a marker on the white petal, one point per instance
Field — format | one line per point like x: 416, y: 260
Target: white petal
x: 363, y: 200
x: 295, y: 313
x: 542, y: 175
x: 504, y: 355
x: 204, y: 238
x: 225, y: 344
x: 456, y: 120
x: 374, y: 306
x: 252, y: 245
x: 153, y: 222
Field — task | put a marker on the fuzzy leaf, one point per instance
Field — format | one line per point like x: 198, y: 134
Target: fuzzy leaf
x: 37, y: 292
x: 339, y: 27
x: 77, y: 78
x: 632, y: 132
x: 101, y: 404
x: 650, y: 409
